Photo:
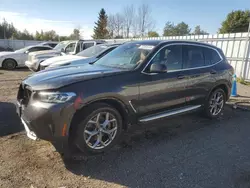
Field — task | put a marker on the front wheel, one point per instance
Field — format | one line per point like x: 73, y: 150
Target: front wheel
x: 215, y: 103
x: 99, y: 130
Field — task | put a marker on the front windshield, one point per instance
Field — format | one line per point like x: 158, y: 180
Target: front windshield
x: 126, y: 56
x: 61, y: 45
x: 22, y: 50
x: 92, y: 51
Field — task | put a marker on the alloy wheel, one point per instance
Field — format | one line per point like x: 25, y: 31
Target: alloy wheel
x: 216, y: 103
x: 100, y: 130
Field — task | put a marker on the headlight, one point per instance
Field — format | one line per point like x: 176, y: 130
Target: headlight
x: 55, y: 97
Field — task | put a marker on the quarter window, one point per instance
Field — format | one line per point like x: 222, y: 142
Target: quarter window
x: 171, y: 56
x: 211, y: 56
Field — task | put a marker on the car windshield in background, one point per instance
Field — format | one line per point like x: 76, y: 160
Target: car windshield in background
x: 92, y: 51
x: 22, y: 50
x: 61, y: 45
x: 126, y: 56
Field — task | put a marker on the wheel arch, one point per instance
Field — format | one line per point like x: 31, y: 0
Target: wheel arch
x: 224, y: 87
x: 116, y: 103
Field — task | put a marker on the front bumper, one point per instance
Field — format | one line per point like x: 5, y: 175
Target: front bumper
x: 49, y: 122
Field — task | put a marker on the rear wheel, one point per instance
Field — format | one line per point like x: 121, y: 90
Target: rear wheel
x: 215, y: 103
x: 99, y: 130
x: 9, y: 64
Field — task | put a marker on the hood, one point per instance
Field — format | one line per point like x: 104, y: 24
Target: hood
x: 6, y: 53
x: 81, y: 61
x: 45, y: 53
x: 59, y: 59
x: 56, y: 78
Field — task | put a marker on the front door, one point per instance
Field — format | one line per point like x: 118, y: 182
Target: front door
x: 163, y: 91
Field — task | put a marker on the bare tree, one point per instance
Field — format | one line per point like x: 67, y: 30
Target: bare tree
x: 119, y: 20
x: 129, y: 16
x: 145, y: 21
x: 111, y: 25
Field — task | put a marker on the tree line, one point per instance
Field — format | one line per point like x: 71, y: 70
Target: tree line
x: 8, y: 31
x: 138, y: 22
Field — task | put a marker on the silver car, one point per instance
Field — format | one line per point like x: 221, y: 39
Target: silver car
x: 11, y: 60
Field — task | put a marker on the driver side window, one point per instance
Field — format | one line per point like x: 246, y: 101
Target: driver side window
x: 70, y: 48
x: 171, y: 56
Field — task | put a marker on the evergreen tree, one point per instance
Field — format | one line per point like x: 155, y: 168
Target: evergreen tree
x: 100, y: 30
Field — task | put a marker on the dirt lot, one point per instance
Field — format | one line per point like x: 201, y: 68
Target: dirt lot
x: 189, y: 151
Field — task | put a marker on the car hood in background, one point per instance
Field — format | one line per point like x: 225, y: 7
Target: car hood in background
x: 56, y: 78
x: 58, y: 59
x: 81, y: 61
x: 45, y: 53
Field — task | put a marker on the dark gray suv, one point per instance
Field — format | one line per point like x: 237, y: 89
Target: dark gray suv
x: 88, y: 107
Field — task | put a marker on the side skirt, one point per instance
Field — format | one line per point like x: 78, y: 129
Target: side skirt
x: 168, y: 113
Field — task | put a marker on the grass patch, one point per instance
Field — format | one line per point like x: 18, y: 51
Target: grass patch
x: 240, y: 80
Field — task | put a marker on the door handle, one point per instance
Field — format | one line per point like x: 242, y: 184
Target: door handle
x: 180, y: 76
x: 213, y: 72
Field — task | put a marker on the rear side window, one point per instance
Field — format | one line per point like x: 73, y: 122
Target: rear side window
x: 211, y: 56
x: 87, y: 45
x: 193, y: 56
x: 52, y: 45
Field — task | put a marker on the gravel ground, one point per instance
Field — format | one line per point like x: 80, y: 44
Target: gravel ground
x: 189, y: 151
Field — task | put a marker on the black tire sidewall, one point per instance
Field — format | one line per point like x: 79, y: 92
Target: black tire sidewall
x: 207, y: 104
x: 89, y: 113
x: 9, y: 61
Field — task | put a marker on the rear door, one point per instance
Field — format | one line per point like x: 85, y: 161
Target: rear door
x: 163, y: 91
x: 200, y: 74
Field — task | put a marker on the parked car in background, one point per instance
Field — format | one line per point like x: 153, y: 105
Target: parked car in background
x: 63, y: 48
x: 89, y: 55
x: 11, y: 60
x: 87, y: 107
x: 49, y: 43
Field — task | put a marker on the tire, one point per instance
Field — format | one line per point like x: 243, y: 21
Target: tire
x: 89, y: 144
x: 215, y: 103
x: 9, y: 64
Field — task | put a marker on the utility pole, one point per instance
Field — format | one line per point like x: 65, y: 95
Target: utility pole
x: 247, y: 50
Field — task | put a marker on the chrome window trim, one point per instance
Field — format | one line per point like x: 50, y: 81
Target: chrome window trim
x: 200, y: 45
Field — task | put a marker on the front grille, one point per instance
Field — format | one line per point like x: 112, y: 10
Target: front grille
x: 24, y: 94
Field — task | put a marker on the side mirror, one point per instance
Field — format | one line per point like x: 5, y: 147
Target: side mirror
x: 26, y: 52
x: 158, y: 68
x: 62, y: 50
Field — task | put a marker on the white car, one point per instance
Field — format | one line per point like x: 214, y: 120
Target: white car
x: 62, y: 48
x: 89, y: 55
x: 11, y: 60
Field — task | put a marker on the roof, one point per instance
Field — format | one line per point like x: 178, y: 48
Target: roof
x: 156, y: 42
x: 147, y: 42
x: 38, y: 45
